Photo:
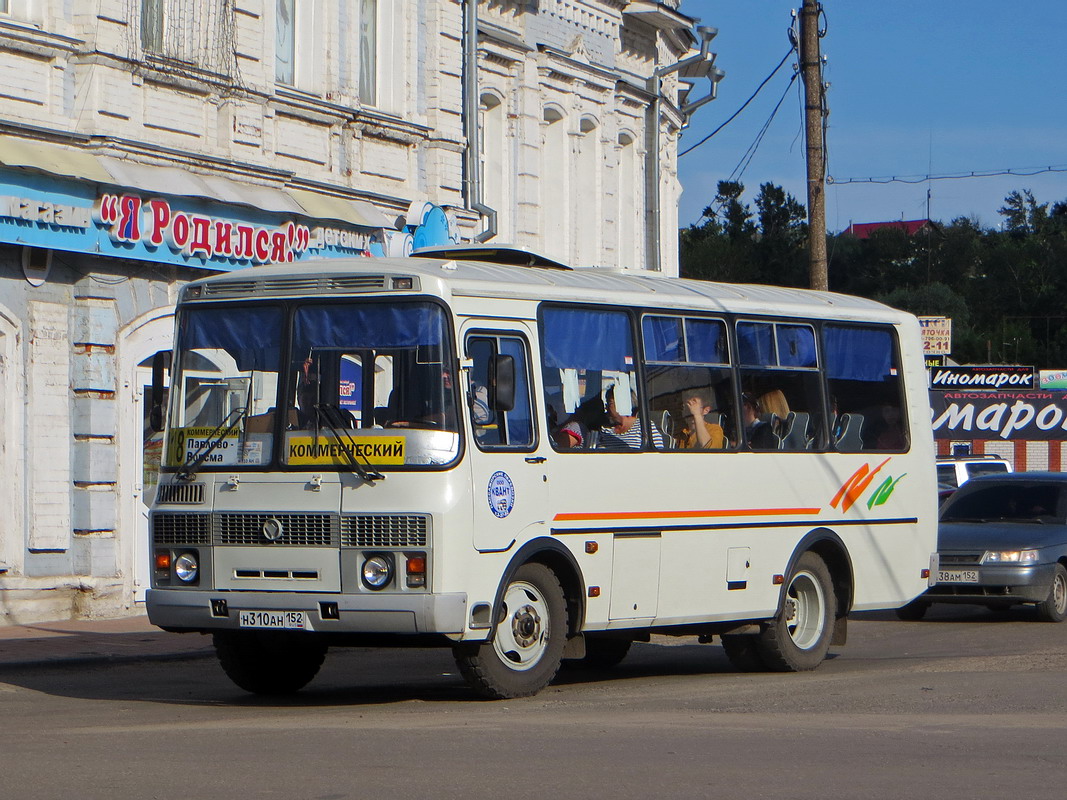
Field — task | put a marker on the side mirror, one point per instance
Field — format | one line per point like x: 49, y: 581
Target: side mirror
x: 160, y: 364
x: 502, y: 383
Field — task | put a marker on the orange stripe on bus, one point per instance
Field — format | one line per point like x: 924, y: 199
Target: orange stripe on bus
x: 735, y: 512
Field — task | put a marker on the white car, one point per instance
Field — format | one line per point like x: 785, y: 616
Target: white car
x: 954, y: 471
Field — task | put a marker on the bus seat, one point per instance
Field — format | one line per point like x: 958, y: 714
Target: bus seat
x: 665, y: 424
x: 795, y: 431
x: 849, y: 430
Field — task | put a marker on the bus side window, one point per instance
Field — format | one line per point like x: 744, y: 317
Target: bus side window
x: 866, y: 392
x: 494, y: 425
x: 689, y: 382
x: 780, y: 371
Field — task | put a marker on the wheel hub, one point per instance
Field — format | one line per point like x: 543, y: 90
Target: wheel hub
x: 526, y: 626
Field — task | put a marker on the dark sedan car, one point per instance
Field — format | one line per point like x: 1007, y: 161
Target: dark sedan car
x: 1001, y: 541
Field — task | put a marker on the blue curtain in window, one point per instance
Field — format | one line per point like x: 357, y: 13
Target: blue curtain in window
x: 755, y: 344
x: 586, y: 339
x: 796, y: 346
x: 663, y: 338
x: 351, y: 327
x: 705, y: 341
x: 251, y: 335
x: 857, y: 354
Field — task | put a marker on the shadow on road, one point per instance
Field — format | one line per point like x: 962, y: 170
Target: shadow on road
x: 349, y: 677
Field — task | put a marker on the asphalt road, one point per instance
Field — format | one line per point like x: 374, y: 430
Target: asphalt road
x: 965, y: 704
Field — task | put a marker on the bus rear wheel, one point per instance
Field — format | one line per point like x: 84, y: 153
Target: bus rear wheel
x: 269, y: 662
x: 525, y: 651
x: 743, y: 650
x: 798, y: 638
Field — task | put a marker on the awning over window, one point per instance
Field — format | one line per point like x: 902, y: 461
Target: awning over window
x: 71, y: 162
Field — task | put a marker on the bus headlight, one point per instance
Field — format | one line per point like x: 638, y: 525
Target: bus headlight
x: 377, y: 571
x: 186, y: 567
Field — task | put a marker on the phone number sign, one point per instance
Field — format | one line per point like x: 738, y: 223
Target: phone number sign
x: 937, y: 335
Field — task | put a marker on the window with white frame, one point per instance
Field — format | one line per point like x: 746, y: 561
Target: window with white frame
x: 626, y: 219
x: 152, y: 26
x: 368, y: 52
x: 554, y: 185
x: 285, y: 42
x: 495, y: 166
x: 189, y: 32
x: 587, y: 155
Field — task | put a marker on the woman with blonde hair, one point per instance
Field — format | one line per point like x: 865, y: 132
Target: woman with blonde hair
x: 774, y: 402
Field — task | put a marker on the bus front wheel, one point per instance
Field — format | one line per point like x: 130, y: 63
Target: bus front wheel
x: 526, y: 649
x: 798, y: 638
x: 269, y: 662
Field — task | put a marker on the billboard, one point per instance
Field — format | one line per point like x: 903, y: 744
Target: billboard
x: 989, y: 415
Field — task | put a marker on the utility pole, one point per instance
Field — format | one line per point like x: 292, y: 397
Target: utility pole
x: 814, y: 114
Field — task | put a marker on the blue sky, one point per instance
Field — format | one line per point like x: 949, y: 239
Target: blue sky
x: 917, y: 88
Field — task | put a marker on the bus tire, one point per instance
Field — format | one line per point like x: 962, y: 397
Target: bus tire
x: 743, y: 650
x: 798, y: 638
x: 526, y: 649
x: 269, y: 662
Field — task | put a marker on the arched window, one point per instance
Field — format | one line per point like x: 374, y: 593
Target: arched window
x: 555, y: 185
x: 587, y: 195
x: 496, y: 166
x: 628, y: 213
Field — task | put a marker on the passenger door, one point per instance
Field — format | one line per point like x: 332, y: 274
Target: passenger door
x: 508, y: 481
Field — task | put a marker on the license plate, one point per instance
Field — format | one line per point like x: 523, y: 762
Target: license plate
x: 957, y: 576
x: 272, y: 619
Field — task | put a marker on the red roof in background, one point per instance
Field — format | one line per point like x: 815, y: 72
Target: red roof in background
x: 863, y: 230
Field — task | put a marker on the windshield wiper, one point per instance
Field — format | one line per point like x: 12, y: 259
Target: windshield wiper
x: 325, y: 412
x: 188, y: 470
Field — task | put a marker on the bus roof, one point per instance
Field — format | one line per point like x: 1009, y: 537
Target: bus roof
x: 487, y: 280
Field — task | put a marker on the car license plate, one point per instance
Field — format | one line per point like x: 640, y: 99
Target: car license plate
x: 957, y: 576
x: 272, y: 619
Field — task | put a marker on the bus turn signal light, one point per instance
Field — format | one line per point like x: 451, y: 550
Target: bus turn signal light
x: 163, y: 561
x: 416, y: 571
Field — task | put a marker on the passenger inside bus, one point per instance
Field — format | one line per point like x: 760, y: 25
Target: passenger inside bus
x: 624, y: 431
x: 759, y: 434
x: 698, y: 433
x: 582, y: 428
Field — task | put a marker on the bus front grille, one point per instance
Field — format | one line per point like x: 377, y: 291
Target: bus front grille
x: 314, y: 530
x: 171, y: 529
x: 384, y: 530
x: 181, y: 493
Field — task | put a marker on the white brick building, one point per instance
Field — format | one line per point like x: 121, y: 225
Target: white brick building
x: 143, y: 142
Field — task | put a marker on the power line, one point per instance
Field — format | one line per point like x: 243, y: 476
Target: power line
x: 733, y: 116
x: 746, y: 159
x: 948, y: 176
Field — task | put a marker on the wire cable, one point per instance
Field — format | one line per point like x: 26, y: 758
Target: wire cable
x: 734, y: 116
x: 949, y: 176
x: 746, y: 159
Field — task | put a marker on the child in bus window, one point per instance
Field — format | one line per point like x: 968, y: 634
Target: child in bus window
x: 698, y: 433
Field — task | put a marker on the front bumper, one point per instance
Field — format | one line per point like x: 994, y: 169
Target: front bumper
x: 191, y: 610
x: 998, y: 583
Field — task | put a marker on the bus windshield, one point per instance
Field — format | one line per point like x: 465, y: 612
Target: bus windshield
x: 361, y: 384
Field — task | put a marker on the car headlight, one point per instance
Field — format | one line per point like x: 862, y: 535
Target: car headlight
x: 186, y: 567
x: 1010, y: 557
x: 377, y: 571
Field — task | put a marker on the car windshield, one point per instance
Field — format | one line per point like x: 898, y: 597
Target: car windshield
x: 366, y: 384
x: 1006, y: 502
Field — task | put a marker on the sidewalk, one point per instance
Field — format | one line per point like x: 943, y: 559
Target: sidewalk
x: 78, y: 642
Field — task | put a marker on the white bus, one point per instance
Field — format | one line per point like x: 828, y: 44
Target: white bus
x: 533, y: 465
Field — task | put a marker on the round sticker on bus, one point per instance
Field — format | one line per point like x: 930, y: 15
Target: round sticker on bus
x: 501, y: 494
